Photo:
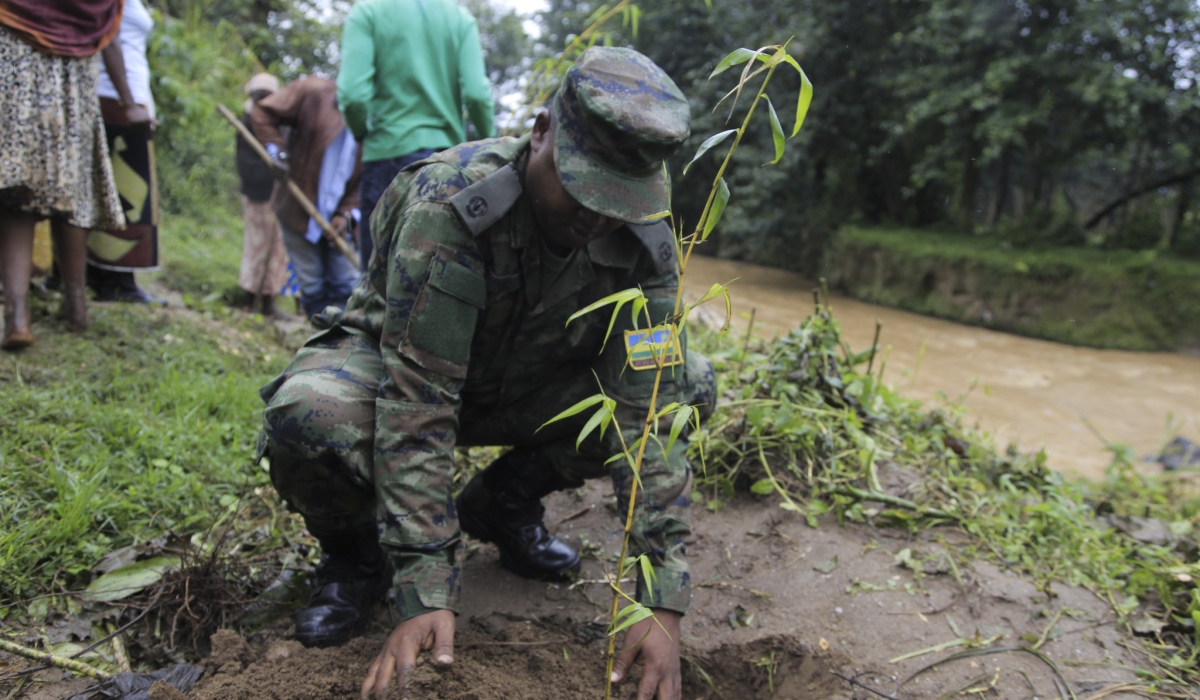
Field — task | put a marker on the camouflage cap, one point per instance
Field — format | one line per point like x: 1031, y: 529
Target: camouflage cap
x: 618, y: 117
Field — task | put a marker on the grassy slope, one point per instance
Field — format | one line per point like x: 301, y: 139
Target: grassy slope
x: 1116, y: 299
x: 144, y: 423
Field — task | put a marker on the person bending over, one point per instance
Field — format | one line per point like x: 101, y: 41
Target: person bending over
x: 458, y: 336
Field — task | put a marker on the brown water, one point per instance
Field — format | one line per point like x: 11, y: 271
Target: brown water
x: 1035, y: 393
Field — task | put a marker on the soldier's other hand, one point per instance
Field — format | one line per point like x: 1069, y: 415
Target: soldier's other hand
x: 657, y: 653
x: 431, y: 631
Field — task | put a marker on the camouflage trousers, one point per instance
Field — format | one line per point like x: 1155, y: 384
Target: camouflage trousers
x: 319, y: 434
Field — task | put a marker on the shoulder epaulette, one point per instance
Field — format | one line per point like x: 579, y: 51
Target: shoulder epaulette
x: 482, y: 204
x: 659, y: 239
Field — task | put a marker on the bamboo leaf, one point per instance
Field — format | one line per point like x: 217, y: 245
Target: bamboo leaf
x: 576, y: 409
x: 806, y: 95
x: 776, y: 132
x: 728, y: 309
x: 713, y: 293
x: 617, y: 297
x: 636, y: 308
x: 631, y: 617
x: 648, y: 575
x: 667, y: 410
x: 737, y: 57
x: 718, y: 208
x: 677, y: 425
x: 708, y: 143
x: 593, y: 423
x: 620, y: 298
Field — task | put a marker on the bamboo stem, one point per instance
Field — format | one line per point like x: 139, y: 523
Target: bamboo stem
x: 293, y: 189
x: 56, y: 661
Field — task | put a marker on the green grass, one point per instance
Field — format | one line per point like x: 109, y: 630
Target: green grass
x: 1083, y: 296
x: 201, y: 258
x: 146, y: 423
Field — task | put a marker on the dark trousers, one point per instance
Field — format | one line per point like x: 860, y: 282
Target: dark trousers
x: 377, y: 176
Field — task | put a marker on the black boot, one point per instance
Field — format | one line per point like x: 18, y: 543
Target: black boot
x: 503, y: 505
x: 353, y: 574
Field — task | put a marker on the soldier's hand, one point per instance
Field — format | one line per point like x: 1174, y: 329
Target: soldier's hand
x: 431, y: 631
x: 658, y: 654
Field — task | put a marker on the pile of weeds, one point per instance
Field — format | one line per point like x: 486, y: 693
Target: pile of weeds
x: 806, y: 420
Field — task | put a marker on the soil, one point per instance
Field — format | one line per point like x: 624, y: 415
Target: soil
x: 774, y: 615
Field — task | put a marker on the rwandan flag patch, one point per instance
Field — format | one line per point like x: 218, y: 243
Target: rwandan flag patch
x: 642, y: 347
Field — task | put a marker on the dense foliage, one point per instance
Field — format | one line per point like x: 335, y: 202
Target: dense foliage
x: 1020, y: 119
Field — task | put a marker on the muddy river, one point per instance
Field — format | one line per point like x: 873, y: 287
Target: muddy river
x: 1035, y: 393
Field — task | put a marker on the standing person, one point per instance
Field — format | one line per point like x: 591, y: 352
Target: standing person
x: 264, y: 259
x: 322, y: 157
x: 409, y: 67
x: 458, y: 336
x: 113, y: 255
x: 53, y: 156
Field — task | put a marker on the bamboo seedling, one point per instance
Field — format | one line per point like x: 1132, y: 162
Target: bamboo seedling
x: 622, y: 617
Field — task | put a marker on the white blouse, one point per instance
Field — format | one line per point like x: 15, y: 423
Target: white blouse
x: 136, y: 24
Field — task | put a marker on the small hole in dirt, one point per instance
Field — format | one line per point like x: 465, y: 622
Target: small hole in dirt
x: 774, y: 667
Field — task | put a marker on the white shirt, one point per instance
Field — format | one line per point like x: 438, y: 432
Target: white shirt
x: 136, y: 24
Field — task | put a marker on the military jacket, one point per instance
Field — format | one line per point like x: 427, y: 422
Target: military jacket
x: 454, y: 298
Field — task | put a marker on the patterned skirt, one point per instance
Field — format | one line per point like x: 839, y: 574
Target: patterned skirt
x: 132, y: 157
x: 53, y: 155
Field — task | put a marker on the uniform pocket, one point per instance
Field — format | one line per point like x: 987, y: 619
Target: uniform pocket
x: 442, y: 324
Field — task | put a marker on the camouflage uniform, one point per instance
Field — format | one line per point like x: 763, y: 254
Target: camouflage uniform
x: 454, y: 338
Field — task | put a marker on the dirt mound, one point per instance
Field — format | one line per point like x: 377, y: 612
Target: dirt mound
x: 524, y: 661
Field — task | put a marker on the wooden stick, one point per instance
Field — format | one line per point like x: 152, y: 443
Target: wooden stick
x: 48, y: 658
x: 294, y: 189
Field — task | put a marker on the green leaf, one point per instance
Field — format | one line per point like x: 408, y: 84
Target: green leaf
x: 127, y: 580
x: 648, y: 575
x: 708, y: 143
x: 717, y: 209
x: 712, y: 293
x: 636, y: 308
x: 763, y: 487
x: 577, y: 408
x: 629, y: 616
x: 678, y: 424
x: 601, y: 418
x: 776, y: 132
x: 806, y: 95
x: 737, y: 57
x: 620, y: 298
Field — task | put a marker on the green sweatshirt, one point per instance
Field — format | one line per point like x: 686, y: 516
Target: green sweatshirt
x: 408, y: 69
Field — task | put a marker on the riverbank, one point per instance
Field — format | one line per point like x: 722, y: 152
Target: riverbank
x: 1096, y: 298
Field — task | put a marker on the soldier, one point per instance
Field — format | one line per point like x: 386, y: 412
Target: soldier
x: 458, y: 336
